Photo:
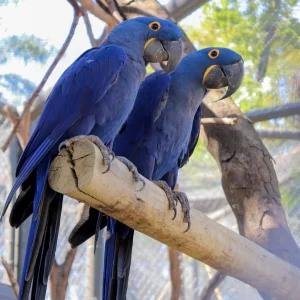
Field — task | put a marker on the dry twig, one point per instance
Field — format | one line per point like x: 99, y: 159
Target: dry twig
x: 220, y: 121
x: 212, y: 284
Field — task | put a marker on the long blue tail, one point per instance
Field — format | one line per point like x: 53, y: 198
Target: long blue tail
x: 118, y: 250
x: 42, y: 240
x: 117, y: 260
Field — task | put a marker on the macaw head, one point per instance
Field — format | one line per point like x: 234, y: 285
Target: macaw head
x: 224, y: 68
x: 158, y: 39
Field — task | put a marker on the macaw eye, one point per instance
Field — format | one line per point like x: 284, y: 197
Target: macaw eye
x: 213, y: 53
x: 155, y: 26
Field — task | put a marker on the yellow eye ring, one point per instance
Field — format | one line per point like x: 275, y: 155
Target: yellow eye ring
x: 155, y: 26
x: 213, y: 53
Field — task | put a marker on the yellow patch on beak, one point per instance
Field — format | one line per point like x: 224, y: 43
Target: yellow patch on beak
x: 149, y: 41
x: 208, y: 70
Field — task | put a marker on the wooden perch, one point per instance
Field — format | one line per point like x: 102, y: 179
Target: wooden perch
x: 77, y: 172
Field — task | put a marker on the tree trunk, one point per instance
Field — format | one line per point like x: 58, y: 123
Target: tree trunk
x: 59, y: 276
x: 175, y: 274
x: 248, y: 179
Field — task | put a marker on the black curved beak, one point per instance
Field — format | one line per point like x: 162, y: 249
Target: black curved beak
x: 217, y: 77
x: 158, y: 51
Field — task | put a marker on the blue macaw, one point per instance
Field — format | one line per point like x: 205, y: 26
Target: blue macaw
x: 159, y: 137
x: 94, y: 96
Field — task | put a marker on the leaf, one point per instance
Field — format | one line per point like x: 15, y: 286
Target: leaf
x: 26, y: 47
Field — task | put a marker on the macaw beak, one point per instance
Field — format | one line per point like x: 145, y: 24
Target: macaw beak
x: 158, y: 51
x: 217, y: 77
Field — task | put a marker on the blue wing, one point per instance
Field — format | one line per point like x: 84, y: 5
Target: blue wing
x: 68, y: 112
x: 193, y: 138
x: 73, y: 97
x: 171, y: 177
x: 150, y: 102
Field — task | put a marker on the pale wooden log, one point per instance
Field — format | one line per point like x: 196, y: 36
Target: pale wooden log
x: 77, y: 172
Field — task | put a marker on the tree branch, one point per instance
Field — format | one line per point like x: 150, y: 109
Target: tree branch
x: 78, y: 172
x: 212, y: 284
x: 23, y: 132
x: 98, y: 12
x: 279, y: 134
x: 77, y: 14
x: 88, y: 27
x: 279, y: 111
x: 175, y: 273
x: 114, y: 10
x: 11, y: 276
x: 179, y: 9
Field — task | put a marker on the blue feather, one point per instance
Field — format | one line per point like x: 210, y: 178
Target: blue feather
x: 93, y: 96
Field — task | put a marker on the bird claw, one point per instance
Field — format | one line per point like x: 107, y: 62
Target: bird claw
x: 173, y: 198
x: 133, y: 169
x: 108, y: 154
x: 170, y: 195
x: 184, y: 201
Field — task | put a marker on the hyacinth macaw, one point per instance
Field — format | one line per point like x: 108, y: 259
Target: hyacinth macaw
x: 94, y: 96
x: 159, y: 137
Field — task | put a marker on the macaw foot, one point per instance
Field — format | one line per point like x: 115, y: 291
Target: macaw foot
x: 133, y: 169
x: 106, y: 152
x: 184, y: 201
x: 170, y: 195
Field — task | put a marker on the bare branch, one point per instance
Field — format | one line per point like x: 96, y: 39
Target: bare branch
x: 11, y: 276
x: 279, y: 111
x: 175, y: 273
x: 114, y: 11
x: 89, y: 30
x: 220, y: 121
x: 279, y: 134
x: 77, y: 14
x: 179, y: 9
x: 102, y: 36
x: 98, y: 12
x: 23, y: 131
x: 212, y: 284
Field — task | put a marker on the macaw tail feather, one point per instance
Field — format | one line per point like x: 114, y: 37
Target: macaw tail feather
x: 117, y: 260
x: 43, y: 234
x: 90, y: 224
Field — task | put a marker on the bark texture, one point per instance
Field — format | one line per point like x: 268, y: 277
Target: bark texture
x: 248, y: 179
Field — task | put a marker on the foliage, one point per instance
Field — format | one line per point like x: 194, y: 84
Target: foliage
x: 5, y: 2
x: 14, y: 88
x: 18, y: 84
x: 26, y: 47
x: 250, y: 27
